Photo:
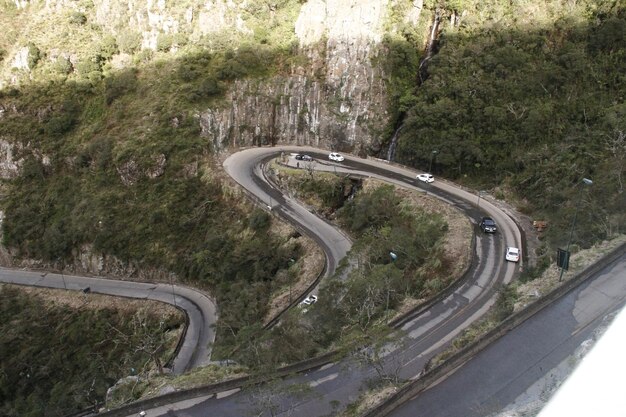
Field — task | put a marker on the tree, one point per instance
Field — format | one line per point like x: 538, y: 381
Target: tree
x: 381, y: 344
x: 277, y: 397
x: 144, y: 339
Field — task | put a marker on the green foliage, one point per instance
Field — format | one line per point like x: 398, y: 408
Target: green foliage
x: 63, y: 65
x: 129, y: 41
x: 527, y: 110
x: 34, y: 55
x: 371, y: 211
x: 259, y: 220
x: 57, y: 360
x: 96, y: 189
x: 376, y: 283
x: 77, y: 18
x: 120, y: 84
x: 107, y: 48
x: 327, y: 192
x: 505, y: 303
x: 90, y: 68
x: 167, y: 41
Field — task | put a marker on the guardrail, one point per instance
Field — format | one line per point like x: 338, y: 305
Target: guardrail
x: 459, y: 358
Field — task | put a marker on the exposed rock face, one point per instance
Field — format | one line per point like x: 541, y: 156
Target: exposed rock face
x: 9, y: 163
x: 344, y: 109
x: 338, y: 100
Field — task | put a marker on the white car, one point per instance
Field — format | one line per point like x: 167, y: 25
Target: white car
x: 512, y: 254
x: 311, y: 299
x: 425, y: 177
x: 334, y: 156
x: 306, y: 303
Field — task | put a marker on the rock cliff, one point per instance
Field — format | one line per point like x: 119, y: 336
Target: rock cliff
x: 337, y: 100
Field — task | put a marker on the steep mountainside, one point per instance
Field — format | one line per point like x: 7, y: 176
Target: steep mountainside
x: 112, y: 113
x: 332, y: 95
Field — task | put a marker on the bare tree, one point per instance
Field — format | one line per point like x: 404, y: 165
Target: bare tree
x: 277, y: 397
x: 616, y: 144
x: 144, y: 338
x: 381, y: 355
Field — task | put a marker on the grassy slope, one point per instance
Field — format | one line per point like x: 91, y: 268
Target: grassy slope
x: 61, y: 354
x: 114, y: 160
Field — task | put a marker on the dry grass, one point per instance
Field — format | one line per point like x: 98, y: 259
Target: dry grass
x: 369, y: 399
x: 549, y: 280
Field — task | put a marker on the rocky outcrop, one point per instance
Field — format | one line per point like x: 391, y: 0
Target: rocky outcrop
x: 339, y: 102
x: 344, y: 115
x: 9, y: 163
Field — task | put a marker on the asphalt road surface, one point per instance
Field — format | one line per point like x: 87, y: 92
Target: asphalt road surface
x: 502, y: 373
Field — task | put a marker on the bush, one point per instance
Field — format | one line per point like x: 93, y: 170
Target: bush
x: 90, y: 67
x: 120, y: 84
x: 34, y: 55
x: 63, y: 65
x: 77, y: 18
x: 107, y: 48
x: 259, y: 220
x: 129, y: 41
x: 164, y: 42
x: 143, y: 56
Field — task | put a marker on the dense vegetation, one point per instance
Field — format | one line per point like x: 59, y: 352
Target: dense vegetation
x: 397, y: 253
x: 59, y: 359
x: 143, y: 196
x: 370, y: 285
x: 523, y: 98
x: 527, y: 100
x: 112, y: 161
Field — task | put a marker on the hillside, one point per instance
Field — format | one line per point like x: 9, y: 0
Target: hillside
x: 114, y: 117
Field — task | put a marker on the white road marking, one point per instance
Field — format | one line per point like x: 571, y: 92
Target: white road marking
x: 320, y: 381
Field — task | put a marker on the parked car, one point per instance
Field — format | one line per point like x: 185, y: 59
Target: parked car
x: 334, y: 156
x: 301, y: 157
x: 512, y: 254
x: 425, y: 177
x: 487, y: 225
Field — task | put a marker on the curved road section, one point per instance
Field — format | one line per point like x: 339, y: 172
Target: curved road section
x: 195, y: 349
x: 334, y: 386
x: 246, y: 168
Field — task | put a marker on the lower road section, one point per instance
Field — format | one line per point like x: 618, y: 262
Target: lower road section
x: 524, y: 362
x: 201, y: 311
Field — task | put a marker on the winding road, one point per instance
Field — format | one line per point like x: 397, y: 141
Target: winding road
x: 201, y: 311
x: 334, y: 386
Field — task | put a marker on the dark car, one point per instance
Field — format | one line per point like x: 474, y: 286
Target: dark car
x: 487, y: 225
x: 301, y: 157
